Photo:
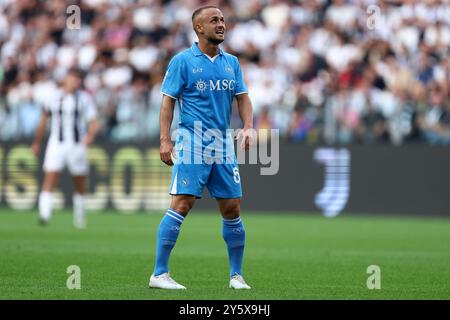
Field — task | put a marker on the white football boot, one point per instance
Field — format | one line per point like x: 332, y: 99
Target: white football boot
x: 237, y: 282
x: 164, y: 281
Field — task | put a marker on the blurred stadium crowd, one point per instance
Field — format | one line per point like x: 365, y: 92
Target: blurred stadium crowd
x: 319, y: 70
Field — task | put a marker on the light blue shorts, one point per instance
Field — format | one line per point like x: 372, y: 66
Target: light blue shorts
x: 221, y: 179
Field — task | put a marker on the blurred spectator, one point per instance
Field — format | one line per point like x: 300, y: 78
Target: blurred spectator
x: 300, y: 125
x: 264, y: 123
x: 436, y: 122
x: 132, y: 105
x: 373, y: 126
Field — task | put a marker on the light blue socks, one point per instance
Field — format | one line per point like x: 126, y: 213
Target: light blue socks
x: 233, y: 233
x: 168, y: 231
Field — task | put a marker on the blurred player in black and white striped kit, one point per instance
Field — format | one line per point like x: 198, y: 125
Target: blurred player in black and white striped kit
x: 73, y: 126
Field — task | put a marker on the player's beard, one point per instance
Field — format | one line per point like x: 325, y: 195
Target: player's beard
x: 215, y: 41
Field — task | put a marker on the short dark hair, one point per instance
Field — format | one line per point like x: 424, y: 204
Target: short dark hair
x: 199, y: 10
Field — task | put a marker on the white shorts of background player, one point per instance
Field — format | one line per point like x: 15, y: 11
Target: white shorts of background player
x: 59, y: 155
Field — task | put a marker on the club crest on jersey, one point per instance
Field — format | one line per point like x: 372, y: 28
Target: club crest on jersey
x: 228, y: 69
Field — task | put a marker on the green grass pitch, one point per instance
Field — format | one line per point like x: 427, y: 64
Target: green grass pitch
x: 288, y: 256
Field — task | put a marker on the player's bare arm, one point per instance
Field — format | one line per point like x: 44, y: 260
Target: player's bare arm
x: 40, y: 131
x: 165, y: 120
x: 92, y: 132
x: 246, y: 113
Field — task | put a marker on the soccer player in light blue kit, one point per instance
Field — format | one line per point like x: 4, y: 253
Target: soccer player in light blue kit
x: 204, y: 80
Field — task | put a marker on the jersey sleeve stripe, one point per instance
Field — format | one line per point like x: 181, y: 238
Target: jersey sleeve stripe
x: 166, y: 94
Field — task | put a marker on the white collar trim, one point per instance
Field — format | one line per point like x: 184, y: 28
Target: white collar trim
x: 213, y: 58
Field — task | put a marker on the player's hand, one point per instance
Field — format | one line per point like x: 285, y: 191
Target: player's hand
x: 36, y: 148
x: 248, y: 138
x: 165, y: 152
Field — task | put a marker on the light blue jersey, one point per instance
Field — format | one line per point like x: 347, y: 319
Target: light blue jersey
x: 205, y: 88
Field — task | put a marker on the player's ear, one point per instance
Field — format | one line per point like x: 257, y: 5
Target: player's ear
x: 198, y: 28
